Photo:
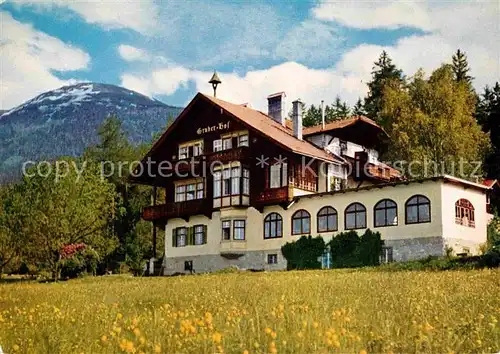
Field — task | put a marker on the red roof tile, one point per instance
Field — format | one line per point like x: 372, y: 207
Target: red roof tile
x: 272, y: 129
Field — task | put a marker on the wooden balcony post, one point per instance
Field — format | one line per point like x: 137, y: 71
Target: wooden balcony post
x: 153, y: 202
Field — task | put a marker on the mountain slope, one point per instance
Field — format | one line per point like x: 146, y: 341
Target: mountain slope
x: 63, y: 122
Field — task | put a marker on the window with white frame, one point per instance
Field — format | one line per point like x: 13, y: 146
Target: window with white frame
x: 227, y: 143
x: 231, y: 182
x: 217, y: 145
x: 189, y: 191
x: 243, y: 140
x: 278, y: 175
x: 191, y: 149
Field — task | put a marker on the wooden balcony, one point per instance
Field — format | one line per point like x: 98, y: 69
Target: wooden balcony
x: 174, y: 210
x: 194, y: 163
x: 237, y: 154
x: 272, y: 196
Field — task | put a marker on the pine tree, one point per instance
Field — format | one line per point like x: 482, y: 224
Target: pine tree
x: 461, y: 68
x: 312, y: 116
x: 359, y: 109
x: 342, y: 110
x: 488, y: 115
x: 384, y: 73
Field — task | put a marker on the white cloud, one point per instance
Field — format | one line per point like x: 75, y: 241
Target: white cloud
x: 469, y: 25
x: 375, y: 14
x: 139, y: 15
x: 297, y: 80
x: 28, y: 58
x: 130, y: 53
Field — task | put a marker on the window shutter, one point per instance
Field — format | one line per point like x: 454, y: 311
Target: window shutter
x: 174, y: 237
x: 205, y: 234
x: 190, y: 235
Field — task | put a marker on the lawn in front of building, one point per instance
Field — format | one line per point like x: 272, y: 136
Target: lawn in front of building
x: 354, y: 311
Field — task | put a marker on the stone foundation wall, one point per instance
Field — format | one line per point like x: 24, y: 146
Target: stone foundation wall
x: 403, y: 250
x: 415, y: 248
x: 251, y: 260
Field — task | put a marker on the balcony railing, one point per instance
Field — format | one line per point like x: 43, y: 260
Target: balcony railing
x: 173, y: 210
x: 465, y: 222
x: 272, y: 195
x: 225, y: 156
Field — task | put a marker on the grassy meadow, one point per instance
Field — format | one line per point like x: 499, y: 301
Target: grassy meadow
x: 340, y: 311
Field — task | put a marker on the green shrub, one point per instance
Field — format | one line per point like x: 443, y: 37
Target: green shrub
x: 349, y: 250
x: 304, y: 253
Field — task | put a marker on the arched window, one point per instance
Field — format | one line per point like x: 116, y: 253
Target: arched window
x: 273, y: 226
x: 464, y: 213
x: 418, y: 210
x: 327, y: 219
x: 386, y: 213
x: 301, y: 223
x: 355, y: 216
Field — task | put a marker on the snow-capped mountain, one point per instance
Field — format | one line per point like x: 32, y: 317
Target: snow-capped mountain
x: 63, y: 122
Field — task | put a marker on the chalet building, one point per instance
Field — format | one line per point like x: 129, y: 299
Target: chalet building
x: 239, y: 184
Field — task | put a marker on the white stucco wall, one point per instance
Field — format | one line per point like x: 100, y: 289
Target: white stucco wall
x: 442, y: 196
x: 458, y: 236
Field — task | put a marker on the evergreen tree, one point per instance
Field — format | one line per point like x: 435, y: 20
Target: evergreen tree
x: 312, y: 116
x: 460, y: 67
x: 384, y: 73
x: 488, y: 115
x: 359, y: 109
x: 341, y: 109
x: 113, y: 151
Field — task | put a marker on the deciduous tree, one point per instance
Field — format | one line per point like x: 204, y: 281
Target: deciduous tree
x: 71, y: 209
x: 433, y: 120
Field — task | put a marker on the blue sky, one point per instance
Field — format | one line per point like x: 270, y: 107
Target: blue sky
x: 310, y: 49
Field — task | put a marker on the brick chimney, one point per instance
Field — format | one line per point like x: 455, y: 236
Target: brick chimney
x: 276, y: 107
x: 297, y: 118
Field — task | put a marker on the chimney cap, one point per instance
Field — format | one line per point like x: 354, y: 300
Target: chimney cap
x: 215, y: 79
x: 277, y: 94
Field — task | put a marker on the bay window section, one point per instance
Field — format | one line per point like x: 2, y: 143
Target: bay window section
x: 231, y: 186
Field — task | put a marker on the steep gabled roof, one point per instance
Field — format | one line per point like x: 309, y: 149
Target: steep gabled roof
x: 260, y: 122
x: 339, y: 124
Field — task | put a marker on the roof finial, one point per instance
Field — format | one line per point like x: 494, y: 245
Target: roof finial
x: 215, y: 81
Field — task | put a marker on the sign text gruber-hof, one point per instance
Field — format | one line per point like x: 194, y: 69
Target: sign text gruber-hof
x: 213, y: 128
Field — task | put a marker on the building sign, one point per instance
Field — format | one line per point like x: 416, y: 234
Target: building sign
x: 213, y: 128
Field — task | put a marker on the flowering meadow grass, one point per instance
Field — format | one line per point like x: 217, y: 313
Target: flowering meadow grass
x: 340, y: 311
